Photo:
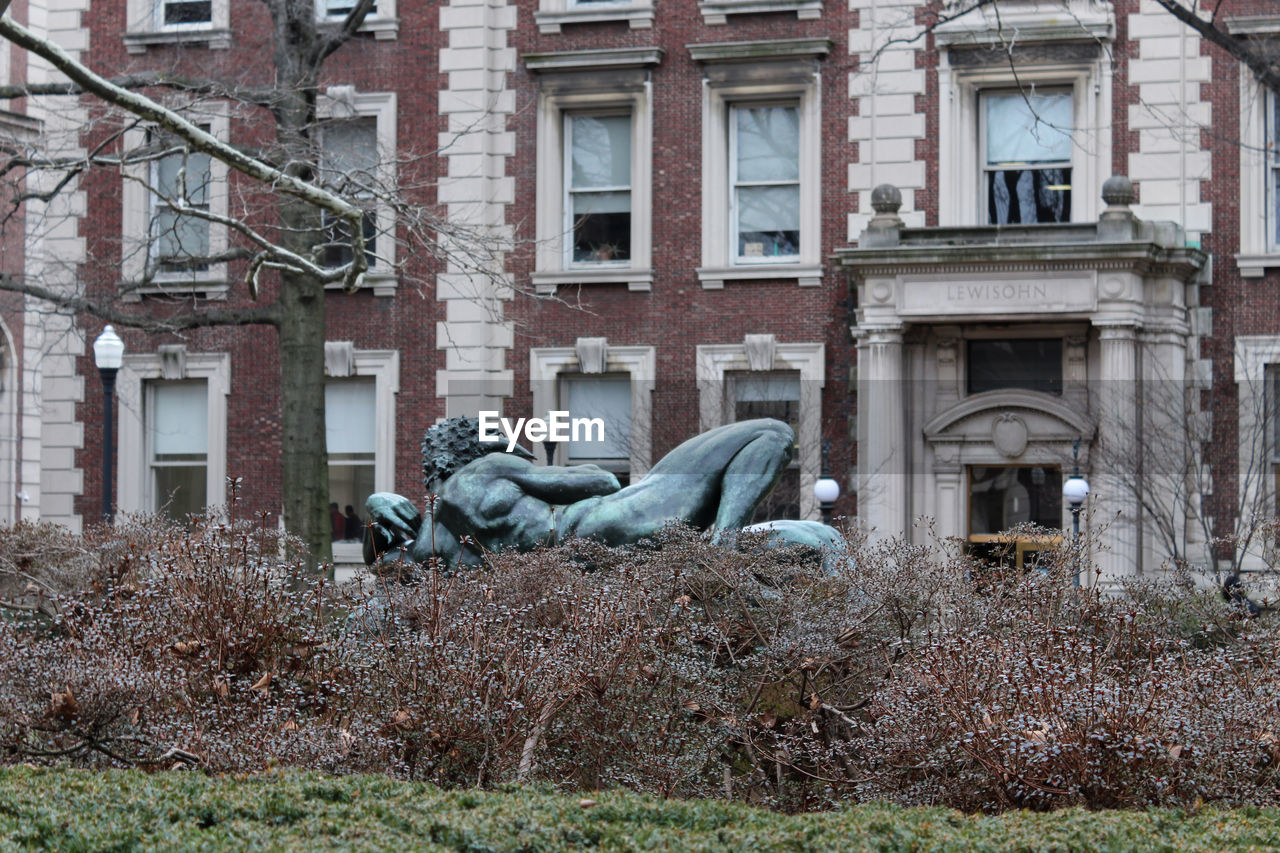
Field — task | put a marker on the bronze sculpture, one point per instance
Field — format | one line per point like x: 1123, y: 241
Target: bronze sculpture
x: 485, y: 499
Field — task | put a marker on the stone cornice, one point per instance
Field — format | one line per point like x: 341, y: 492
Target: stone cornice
x: 1143, y: 257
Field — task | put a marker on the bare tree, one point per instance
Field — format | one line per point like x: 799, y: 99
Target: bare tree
x: 296, y: 225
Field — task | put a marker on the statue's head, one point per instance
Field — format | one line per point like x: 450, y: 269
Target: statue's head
x: 452, y: 443
x: 448, y: 446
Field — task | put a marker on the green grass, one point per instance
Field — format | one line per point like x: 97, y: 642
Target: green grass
x: 69, y: 810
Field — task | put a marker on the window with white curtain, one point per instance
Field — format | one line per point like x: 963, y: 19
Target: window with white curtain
x: 178, y: 446
x: 350, y: 418
x: 764, y: 163
x: 609, y: 399
x: 1026, y: 150
x: 598, y: 189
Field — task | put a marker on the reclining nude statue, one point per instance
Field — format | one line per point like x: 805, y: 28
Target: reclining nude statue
x: 486, y: 499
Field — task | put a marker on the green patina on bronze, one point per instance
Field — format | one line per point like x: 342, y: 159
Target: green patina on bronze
x: 484, y: 499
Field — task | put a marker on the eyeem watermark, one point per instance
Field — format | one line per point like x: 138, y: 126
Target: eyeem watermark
x: 557, y: 427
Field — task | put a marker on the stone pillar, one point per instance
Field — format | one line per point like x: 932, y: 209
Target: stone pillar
x: 949, y: 479
x: 882, y: 457
x: 1167, y: 448
x: 1113, y: 497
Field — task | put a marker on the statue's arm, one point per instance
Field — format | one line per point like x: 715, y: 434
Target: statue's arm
x: 394, y: 520
x: 557, y: 484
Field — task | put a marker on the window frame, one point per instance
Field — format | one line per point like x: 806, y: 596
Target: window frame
x: 566, y: 202
x: 157, y: 203
x: 151, y: 495
x: 721, y: 97
x: 735, y: 185
x: 384, y: 23
x: 985, y: 168
x: 162, y: 5
x: 1259, y: 249
x: 961, y: 187
x: 134, y: 485
x: 589, y: 90
x: 717, y: 362
x: 613, y: 465
x: 551, y: 15
x: 343, y: 361
x: 717, y: 12
x: 138, y: 207
x: 343, y: 103
x: 146, y: 27
x: 547, y: 365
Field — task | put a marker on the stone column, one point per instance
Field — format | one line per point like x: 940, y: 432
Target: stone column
x: 1113, y: 497
x: 882, y: 458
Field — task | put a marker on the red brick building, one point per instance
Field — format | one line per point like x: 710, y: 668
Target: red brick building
x: 684, y: 191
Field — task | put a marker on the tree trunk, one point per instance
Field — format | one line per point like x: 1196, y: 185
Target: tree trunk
x: 304, y: 460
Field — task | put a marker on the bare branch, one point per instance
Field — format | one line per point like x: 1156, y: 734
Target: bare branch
x: 144, y: 80
x: 350, y: 25
x: 1265, y: 65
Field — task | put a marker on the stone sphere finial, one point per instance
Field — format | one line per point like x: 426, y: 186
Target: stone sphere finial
x: 1117, y: 191
x: 886, y: 199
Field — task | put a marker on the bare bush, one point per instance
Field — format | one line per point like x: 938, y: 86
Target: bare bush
x: 676, y: 668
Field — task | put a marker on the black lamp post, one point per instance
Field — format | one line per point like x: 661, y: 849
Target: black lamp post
x: 826, y: 489
x: 1074, y: 491
x: 108, y: 355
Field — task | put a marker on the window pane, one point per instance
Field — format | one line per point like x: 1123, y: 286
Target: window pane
x: 180, y: 490
x: 196, y: 174
x: 610, y: 400
x: 179, y: 419
x: 1028, y: 128
x: 1034, y: 365
x: 1000, y: 498
x: 336, y: 233
x: 768, y: 221
x: 1028, y: 196
x: 350, y: 416
x: 350, y: 148
x: 768, y: 144
x: 350, y: 486
x: 600, y: 151
x: 601, y: 227
x: 192, y: 12
x: 180, y: 236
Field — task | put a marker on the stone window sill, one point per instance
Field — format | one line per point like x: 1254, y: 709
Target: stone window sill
x: 214, y: 288
x: 1255, y: 266
x: 383, y: 29
x: 214, y: 39
x: 805, y: 275
x: 716, y: 12
x: 382, y: 284
x: 640, y: 17
x: 640, y: 280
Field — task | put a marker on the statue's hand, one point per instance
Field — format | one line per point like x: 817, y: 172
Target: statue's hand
x: 394, y: 520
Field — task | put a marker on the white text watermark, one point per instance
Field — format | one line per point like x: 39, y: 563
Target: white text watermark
x: 558, y: 426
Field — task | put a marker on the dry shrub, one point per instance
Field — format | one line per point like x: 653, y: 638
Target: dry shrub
x: 675, y: 668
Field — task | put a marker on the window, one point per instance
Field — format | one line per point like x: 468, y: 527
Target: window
x: 178, y: 447
x: 594, y: 175
x: 166, y: 243
x: 551, y: 15
x: 180, y: 181
x: 1030, y: 148
x: 184, y: 13
x: 761, y: 161
x: 595, y: 379
x: 349, y: 164
x: 357, y: 144
x: 1259, y: 177
x: 716, y: 12
x: 381, y: 20
x: 762, y: 377
x: 598, y: 188
x: 607, y: 398
x: 1027, y: 156
x: 771, y: 395
x: 1033, y: 365
x: 350, y: 420
x: 159, y: 22
x: 173, y: 431
x: 764, y: 159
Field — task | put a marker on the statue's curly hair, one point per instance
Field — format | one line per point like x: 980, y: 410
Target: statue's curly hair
x: 448, y: 446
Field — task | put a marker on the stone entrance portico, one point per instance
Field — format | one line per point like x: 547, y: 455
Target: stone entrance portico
x: 1105, y: 305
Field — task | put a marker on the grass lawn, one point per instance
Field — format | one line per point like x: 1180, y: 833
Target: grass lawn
x: 69, y: 810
